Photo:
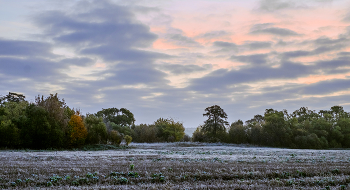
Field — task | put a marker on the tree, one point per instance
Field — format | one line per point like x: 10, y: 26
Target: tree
x: 122, y: 117
x: 237, y: 132
x: 144, y: 133
x: 216, y: 121
x: 169, y: 130
x: 108, y: 114
x: 198, y: 135
x: 275, y: 129
x: 78, y: 132
x: 59, y: 113
x: 12, y: 97
x: 97, y: 131
x: 9, y: 134
x: 36, y: 130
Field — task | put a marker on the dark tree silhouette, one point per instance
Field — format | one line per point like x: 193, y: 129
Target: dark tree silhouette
x: 12, y: 97
x: 216, y: 121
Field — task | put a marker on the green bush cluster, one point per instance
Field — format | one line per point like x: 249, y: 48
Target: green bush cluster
x: 303, y: 128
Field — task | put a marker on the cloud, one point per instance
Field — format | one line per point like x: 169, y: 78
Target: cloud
x: 84, y: 61
x: 317, y: 51
x: 346, y: 17
x: 326, y: 87
x: 214, y: 34
x: 181, y: 40
x: 333, y: 66
x: 269, y: 28
x: 224, y: 44
x: 24, y: 48
x: 277, y: 5
x: 254, y: 45
x: 32, y: 68
x: 112, y: 53
x: 95, y: 30
x: 289, y: 91
x: 274, y: 5
x: 255, y: 59
x: 224, y: 78
x: 184, y: 69
x: 103, y: 29
x: 225, y: 47
x: 274, y: 31
x: 125, y: 74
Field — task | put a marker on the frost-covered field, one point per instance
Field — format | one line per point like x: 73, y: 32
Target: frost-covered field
x: 177, y: 166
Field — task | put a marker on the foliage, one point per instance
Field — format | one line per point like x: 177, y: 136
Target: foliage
x: 12, y: 97
x: 186, y: 138
x: 302, y: 128
x: 216, y: 121
x: 128, y: 139
x: 50, y: 123
x: 78, y: 132
x: 144, y: 133
x: 96, y: 129
x: 115, y: 137
x: 59, y: 114
x: 36, y: 130
x: 9, y: 134
x: 198, y: 135
x: 122, y: 117
x: 237, y: 133
x: 122, y: 129
x: 169, y: 130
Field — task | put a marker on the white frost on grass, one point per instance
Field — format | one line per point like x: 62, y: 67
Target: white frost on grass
x: 228, y: 152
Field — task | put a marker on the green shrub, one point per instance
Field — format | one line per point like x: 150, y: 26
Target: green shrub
x: 128, y: 139
x: 115, y: 137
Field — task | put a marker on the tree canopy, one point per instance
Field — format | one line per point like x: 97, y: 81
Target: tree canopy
x: 122, y: 116
x: 216, y: 121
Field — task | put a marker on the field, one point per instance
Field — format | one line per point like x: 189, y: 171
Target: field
x: 177, y: 166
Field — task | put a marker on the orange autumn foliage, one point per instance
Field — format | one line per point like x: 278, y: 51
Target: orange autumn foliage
x: 78, y: 130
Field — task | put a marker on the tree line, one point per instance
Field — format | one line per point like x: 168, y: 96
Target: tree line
x: 302, y: 128
x: 49, y: 123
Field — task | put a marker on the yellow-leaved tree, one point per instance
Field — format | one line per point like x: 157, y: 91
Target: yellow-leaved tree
x: 78, y: 130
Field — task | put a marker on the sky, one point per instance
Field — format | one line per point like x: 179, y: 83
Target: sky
x: 172, y: 59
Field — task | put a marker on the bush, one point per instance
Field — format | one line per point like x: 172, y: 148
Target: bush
x: 114, y: 137
x: 171, y: 139
x: 186, y: 138
x: 128, y: 139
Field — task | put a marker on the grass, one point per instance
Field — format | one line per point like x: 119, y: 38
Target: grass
x: 173, y: 166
